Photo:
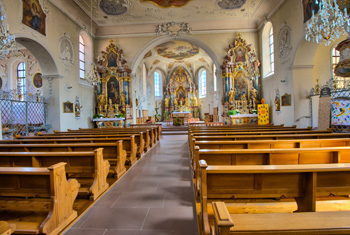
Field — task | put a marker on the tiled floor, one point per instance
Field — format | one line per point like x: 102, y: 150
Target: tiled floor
x: 155, y: 197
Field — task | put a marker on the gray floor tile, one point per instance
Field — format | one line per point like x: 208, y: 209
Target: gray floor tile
x: 140, y: 200
x: 85, y: 231
x: 116, y: 218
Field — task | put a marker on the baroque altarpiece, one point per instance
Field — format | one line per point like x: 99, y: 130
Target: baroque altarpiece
x: 114, y: 89
x: 240, y: 73
x: 180, y: 100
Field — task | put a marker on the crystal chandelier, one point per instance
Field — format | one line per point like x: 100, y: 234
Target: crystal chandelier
x: 328, y: 23
x: 7, y: 40
x: 93, y: 76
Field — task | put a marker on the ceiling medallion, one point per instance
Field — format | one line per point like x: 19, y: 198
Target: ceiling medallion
x: 114, y: 8
x: 173, y: 29
x: 231, y: 4
x: 167, y: 3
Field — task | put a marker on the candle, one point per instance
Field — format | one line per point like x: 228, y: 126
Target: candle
x: 156, y: 104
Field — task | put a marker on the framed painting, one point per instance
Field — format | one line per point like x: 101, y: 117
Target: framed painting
x: 38, y: 80
x: 33, y: 16
x: 113, y: 90
x: 286, y: 100
x: 112, y: 59
x: 240, y: 54
x: 67, y: 107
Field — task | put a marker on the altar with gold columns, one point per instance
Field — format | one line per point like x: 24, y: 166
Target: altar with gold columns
x: 240, y: 73
x: 113, y: 90
x: 180, y: 100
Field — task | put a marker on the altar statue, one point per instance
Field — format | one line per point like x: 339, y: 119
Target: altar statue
x: 175, y: 102
x: 187, y: 102
x: 254, y: 93
x: 231, y: 95
x: 166, y: 102
x: 122, y: 99
x: 194, y: 100
x: 101, y: 100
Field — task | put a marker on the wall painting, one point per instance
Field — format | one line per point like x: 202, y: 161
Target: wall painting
x: 33, y: 16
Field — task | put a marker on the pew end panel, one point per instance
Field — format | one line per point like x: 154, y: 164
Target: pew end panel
x: 55, y: 191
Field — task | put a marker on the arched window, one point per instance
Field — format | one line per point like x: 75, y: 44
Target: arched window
x: 268, y: 50
x: 272, y: 51
x: 81, y: 57
x: 339, y: 81
x: 21, y: 80
x: 157, y: 84
x: 214, y: 78
x: 202, y: 83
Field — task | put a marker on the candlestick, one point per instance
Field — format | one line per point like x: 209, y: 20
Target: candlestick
x: 156, y: 104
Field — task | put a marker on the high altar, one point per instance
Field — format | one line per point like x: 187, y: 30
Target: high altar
x: 180, y: 101
x: 240, y: 73
x: 113, y: 91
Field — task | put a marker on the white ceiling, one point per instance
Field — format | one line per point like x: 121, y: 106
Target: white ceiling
x: 137, y: 16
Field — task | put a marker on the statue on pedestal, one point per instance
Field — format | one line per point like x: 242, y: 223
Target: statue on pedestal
x: 254, y: 94
x: 166, y: 102
x: 187, y: 104
x: 175, y: 102
x: 231, y: 95
x: 194, y: 100
x: 122, y: 99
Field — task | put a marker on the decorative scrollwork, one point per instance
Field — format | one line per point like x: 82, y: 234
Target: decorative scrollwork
x: 173, y: 29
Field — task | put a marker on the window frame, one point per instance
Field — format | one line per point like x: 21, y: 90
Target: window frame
x: 82, y: 54
x: 157, y: 86
x: 271, y: 51
x: 21, y: 79
x: 202, y: 83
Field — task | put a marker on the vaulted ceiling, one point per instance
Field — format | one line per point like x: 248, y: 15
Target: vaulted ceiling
x: 122, y: 17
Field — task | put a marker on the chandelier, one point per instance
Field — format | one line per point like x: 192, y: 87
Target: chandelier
x: 328, y: 23
x: 7, y: 40
x: 93, y: 76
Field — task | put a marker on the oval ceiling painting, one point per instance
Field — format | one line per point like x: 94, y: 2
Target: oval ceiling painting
x: 177, y: 50
x: 168, y: 3
x: 111, y: 7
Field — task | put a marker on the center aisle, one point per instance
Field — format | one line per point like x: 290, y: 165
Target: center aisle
x: 154, y: 197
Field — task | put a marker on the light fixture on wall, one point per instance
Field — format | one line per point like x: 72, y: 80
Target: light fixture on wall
x: 7, y: 40
x: 328, y: 23
x: 92, y: 76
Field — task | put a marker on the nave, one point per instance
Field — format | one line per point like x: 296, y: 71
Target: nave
x: 155, y: 196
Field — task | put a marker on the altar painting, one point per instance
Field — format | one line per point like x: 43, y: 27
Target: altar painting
x: 240, y: 54
x: 34, y: 16
x: 181, y: 95
x: 241, y: 87
x: 113, y: 89
x: 112, y: 59
x: 340, y: 112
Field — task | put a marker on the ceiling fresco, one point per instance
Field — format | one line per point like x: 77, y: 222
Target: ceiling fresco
x: 168, y: 3
x: 177, y: 50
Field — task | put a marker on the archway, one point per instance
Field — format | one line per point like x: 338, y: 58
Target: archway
x: 211, y: 57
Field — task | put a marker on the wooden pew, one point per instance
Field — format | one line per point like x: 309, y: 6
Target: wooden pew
x: 129, y: 143
x: 302, y: 182
x: 270, y: 157
x: 89, y: 168
x: 142, y: 138
x: 6, y: 228
x: 273, y: 144
x: 37, y: 200
x: 113, y: 152
x: 267, y: 137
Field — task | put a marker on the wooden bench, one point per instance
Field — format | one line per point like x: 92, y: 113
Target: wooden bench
x: 6, y: 228
x: 142, y: 139
x: 302, y: 182
x: 270, y: 157
x: 113, y: 152
x: 129, y: 143
x: 89, y: 168
x: 37, y: 200
x: 272, y: 144
x: 267, y: 137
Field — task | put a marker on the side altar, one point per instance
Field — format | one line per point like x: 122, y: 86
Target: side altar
x: 240, y: 74
x: 113, y: 89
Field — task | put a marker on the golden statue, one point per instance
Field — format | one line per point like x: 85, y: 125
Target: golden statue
x: 122, y: 99
x: 175, y: 102
x: 187, y: 104
x: 101, y: 100
x: 166, y: 102
x: 194, y: 100
x: 231, y: 95
x: 254, y: 92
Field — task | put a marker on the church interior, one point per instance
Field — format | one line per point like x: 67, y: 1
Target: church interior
x: 174, y: 117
